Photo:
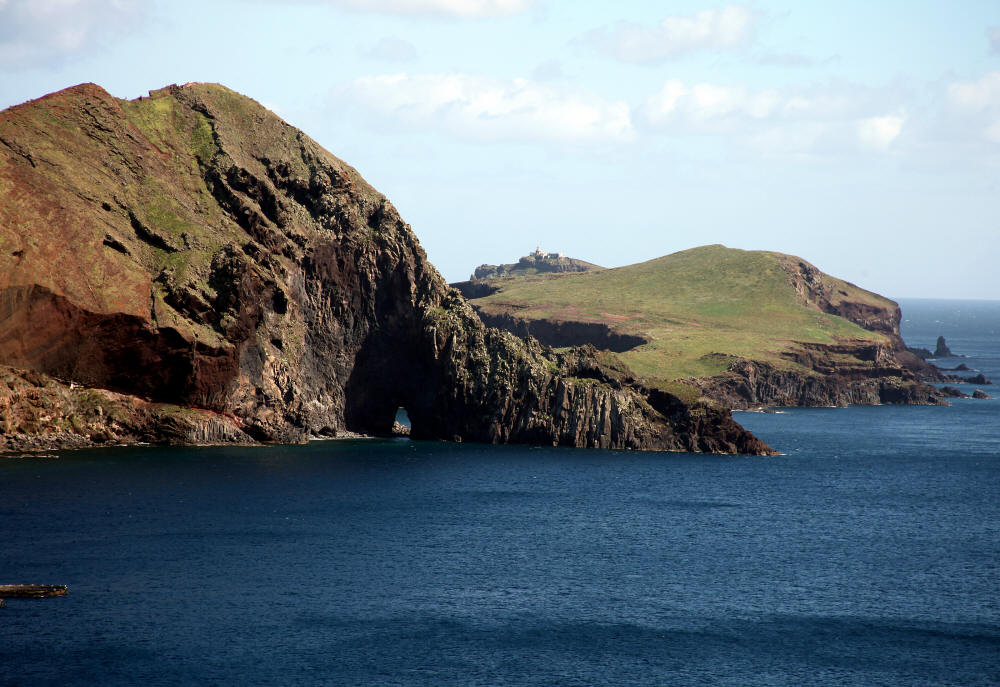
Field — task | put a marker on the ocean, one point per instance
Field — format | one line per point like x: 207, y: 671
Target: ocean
x: 866, y: 554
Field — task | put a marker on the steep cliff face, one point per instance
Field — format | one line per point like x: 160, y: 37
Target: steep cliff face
x: 745, y: 328
x: 191, y: 249
x: 855, y: 372
x: 818, y: 290
x: 752, y: 384
x: 560, y: 334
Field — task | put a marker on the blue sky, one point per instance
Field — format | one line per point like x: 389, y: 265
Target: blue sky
x: 863, y: 137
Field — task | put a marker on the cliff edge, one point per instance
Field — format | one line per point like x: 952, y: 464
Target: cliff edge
x: 743, y: 328
x: 188, y: 267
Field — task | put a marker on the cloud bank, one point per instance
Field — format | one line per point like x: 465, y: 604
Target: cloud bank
x: 454, y: 8
x: 39, y: 32
x: 715, y: 29
x: 773, y: 120
x: 486, y: 109
x: 978, y: 103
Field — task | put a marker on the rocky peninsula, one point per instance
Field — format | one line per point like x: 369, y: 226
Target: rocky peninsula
x: 188, y: 268
x: 745, y: 329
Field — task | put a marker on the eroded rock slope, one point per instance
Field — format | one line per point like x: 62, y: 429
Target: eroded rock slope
x: 192, y: 250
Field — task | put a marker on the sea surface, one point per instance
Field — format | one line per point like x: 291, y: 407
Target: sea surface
x: 867, y: 554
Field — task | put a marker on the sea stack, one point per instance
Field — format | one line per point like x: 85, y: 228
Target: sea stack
x: 942, y: 350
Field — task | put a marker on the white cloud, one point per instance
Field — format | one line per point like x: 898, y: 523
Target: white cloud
x: 454, y: 8
x: 772, y: 120
x: 715, y: 29
x: 36, y: 32
x: 978, y: 102
x: 976, y: 96
x: 878, y: 133
x: 486, y: 109
x: 721, y: 107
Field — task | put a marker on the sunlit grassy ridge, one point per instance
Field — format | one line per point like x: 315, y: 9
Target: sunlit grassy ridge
x: 691, y: 305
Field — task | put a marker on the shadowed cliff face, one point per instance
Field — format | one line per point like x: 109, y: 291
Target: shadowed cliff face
x: 191, y: 248
x: 561, y: 334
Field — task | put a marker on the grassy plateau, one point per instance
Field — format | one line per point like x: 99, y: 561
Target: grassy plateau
x: 697, y: 308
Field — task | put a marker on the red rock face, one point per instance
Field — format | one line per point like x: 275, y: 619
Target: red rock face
x: 193, y: 249
x: 45, y: 332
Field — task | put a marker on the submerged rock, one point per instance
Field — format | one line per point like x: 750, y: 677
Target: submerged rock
x: 31, y: 591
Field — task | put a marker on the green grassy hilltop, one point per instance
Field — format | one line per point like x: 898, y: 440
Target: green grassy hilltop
x: 698, y: 307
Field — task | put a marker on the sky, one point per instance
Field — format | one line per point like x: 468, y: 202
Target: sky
x: 861, y: 136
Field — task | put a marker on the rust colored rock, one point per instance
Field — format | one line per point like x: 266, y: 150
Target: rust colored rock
x: 231, y: 280
x: 31, y: 591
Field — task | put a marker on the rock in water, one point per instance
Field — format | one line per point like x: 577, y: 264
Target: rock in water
x: 231, y: 280
x: 942, y: 350
x: 31, y: 591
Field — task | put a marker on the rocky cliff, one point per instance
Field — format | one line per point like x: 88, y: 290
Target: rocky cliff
x: 533, y: 263
x: 744, y: 328
x: 198, y: 270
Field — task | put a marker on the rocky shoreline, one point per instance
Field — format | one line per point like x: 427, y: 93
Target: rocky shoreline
x: 875, y: 371
x: 188, y: 268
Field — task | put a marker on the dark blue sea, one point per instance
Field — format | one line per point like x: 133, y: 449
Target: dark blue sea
x: 867, y: 554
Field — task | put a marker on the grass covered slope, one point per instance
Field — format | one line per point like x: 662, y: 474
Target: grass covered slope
x: 702, y: 309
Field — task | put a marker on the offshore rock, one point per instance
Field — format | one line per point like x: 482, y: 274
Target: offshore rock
x: 188, y: 267
x: 31, y: 591
x: 942, y: 350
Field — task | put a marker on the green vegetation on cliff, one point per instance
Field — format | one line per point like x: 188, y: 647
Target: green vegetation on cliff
x: 696, y: 308
x: 219, y: 276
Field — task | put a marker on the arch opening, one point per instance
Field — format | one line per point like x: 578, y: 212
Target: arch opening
x: 401, y: 425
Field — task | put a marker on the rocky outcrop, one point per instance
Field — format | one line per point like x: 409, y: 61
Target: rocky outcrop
x: 31, y: 591
x: 40, y: 413
x: 210, y: 273
x: 500, y: 389
x: 561, y: 334
x: 535, y: 263
x: 952, y: 392
x: 979, y: 393
x: 922, y: 353
x: 751, y: 384
x: 475, y: 288
x: 941, y: 350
